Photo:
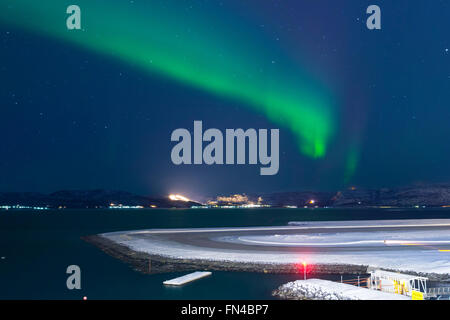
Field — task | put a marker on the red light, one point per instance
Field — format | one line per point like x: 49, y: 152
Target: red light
x: 84, y: 298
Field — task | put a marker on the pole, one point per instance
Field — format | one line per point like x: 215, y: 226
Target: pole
x: 358, y: 281
x: 304, y: 270
x: 341, y: 278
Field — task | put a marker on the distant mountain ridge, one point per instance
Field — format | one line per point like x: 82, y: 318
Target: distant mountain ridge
x: 437, y: 195
x: 430, y: 195
x: 88, y: 199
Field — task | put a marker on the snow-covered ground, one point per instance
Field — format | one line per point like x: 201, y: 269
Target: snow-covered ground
x: 353, y: 239
x: 328, y: 290
x: 404, y: 250
x: 419, y: 261
x: 372, y: 223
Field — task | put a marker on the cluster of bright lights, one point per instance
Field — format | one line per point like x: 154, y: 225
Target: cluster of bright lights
x: 23, y: 207
x: 178, y: 197
x: 237, y: 198
x: 121, y: 206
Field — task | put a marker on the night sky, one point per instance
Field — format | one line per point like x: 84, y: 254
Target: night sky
x: 95, y: 108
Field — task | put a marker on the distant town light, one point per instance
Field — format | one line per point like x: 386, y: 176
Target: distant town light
x: 237, y: 198
x: 178, y: 197
x: 312, y: 201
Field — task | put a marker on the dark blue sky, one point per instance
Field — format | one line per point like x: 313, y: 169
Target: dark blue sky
x: 74, y: 119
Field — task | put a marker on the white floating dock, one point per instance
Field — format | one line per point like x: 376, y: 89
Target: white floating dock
x: 187, y: 278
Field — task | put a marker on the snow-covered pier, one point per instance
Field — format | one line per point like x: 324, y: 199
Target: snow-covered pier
x: 317, y: 289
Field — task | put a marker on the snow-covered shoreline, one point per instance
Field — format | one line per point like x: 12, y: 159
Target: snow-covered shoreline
x: 422, y: 262
x: 353, y: 239
x: 399, y: 258
x: 372, y: 223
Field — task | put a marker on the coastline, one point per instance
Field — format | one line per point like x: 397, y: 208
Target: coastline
x: 153, y: 264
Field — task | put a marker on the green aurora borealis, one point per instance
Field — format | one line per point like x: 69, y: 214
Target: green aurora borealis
x: 237, y: 60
